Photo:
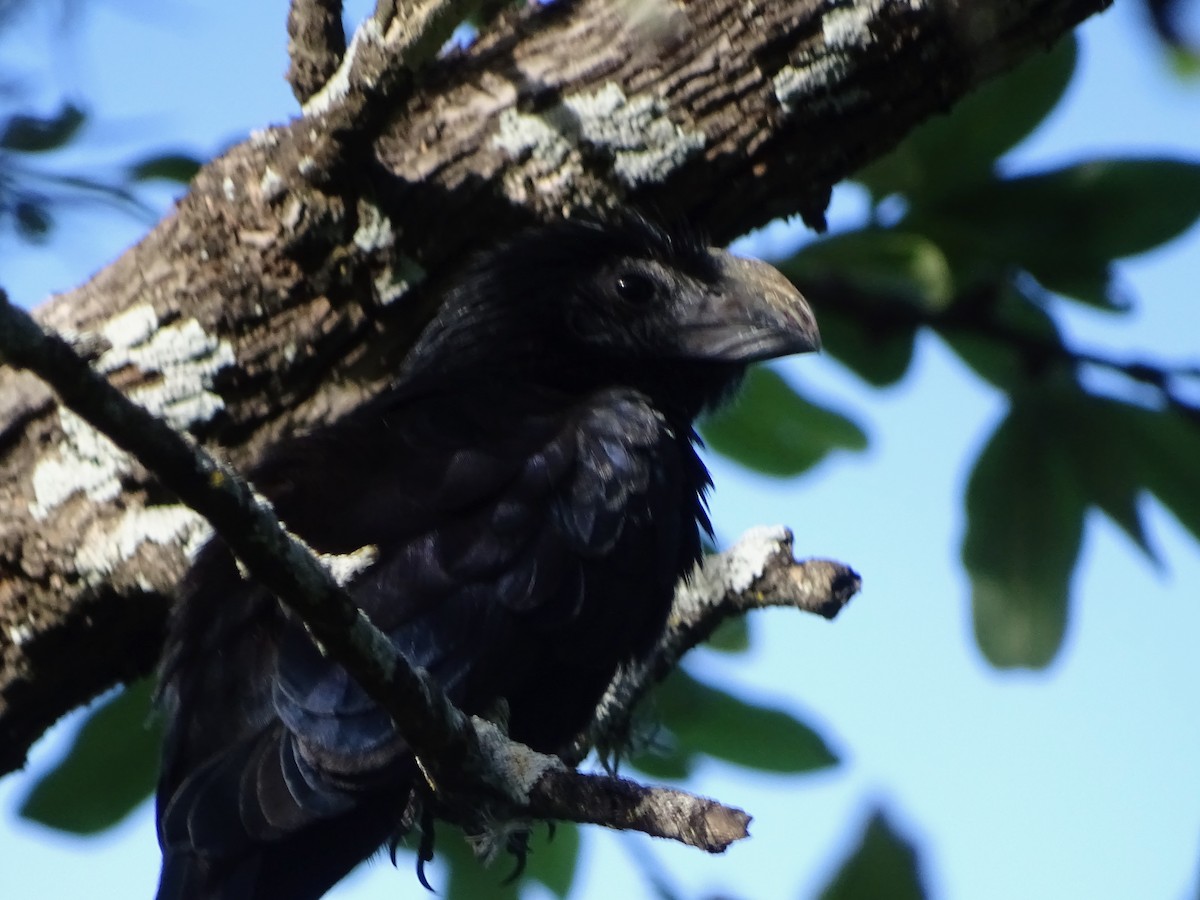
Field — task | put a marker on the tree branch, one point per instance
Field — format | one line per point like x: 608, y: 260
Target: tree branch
x: 316, y: 44
x: 376, y: 71
x: 755, y: 573
x: 976, y: 314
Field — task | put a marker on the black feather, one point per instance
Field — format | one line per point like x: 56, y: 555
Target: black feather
x: 533, y: 491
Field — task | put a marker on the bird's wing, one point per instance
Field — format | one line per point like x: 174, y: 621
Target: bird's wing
x: 491, y: 539
x: 519, y: 571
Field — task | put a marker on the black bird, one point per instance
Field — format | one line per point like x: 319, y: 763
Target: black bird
x: 532, y: 489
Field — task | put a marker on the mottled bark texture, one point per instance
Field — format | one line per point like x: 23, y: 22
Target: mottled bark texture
x: 287, y: 283
x: 316, y: 43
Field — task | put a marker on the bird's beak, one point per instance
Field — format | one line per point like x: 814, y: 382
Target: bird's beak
x: 752, y: 313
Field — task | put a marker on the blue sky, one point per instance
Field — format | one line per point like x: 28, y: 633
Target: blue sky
x: 1080, y: 781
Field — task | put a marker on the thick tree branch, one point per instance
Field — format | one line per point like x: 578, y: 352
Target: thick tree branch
x: 488, y: 777
x: 287, y: 284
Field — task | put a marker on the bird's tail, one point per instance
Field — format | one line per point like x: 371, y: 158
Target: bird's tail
x: 301, y: 866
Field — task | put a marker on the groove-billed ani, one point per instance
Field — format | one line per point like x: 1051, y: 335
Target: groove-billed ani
x: 533, y: 491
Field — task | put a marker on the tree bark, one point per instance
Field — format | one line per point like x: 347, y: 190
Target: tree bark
x: 288, y: 282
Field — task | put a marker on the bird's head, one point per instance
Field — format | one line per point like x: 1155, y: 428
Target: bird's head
x: 622, y: 301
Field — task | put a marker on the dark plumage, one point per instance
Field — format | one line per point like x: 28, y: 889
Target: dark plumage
x: 533, y: 491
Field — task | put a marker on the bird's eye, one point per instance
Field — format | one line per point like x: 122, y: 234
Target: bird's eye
x: 634, y: 287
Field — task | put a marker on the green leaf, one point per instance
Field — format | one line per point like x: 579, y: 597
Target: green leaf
x: 37, y: 134
x: 1185, y: 63
x: 1109, y: 464
x: 731, y: 636
x: 990, y: 351
x: 1169, y: 461
x: 1025, y: 513
x: 706, y: 719
x: 551, y: 861
x: 886, y: 266
x: 555, y: 860
x: 773, y: 430
x: 178, y: 167
x: 110, y: 768
x: 1122, y: 449
x: 33, y: 218
x: 470, y: 878
x: 961, y: 148
x: 1093, y: 284
x: 871, y: 286
x: 883, y: 865
x: 1111, y: 451
x: 1066, y: 226
x: 1114, y: 208
x: 880, y: 356
x: 666, y: 759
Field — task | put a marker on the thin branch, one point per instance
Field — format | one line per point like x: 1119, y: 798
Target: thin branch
x: 488, y: 777
x: 758, y: 572
x: 376, y: 71
x: 385, y: 11
x: 974, y: 315
x: 316, y: 45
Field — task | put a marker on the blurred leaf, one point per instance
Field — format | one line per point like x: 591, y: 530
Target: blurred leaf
x: 1114, y: 450
x: 484, y: 12
x: 986, y: 348
x: 666, y: 759
x: 1025, y: 513
x: 554, y: 864
x: 883, y: 865
x: 1113, y: 208
x: 1067, y: 226
x: 1094, y: 285
x: 1169, y: 460
x: 960, y: 148
x: 879, y: 355
x: 469, y: 878
x: 889, y: 264
x: 1106, y: 459
x: 551, y: 862
x: 854, y: 275
x: 1169, y: 18
x: 1184, y: 63
x: 178, y: 167
x: 110, y: 768
x: 773, y: 430
x: 33, y: 218
x: 37, y: 134
x: 731, y: 636
x: 707, y: 719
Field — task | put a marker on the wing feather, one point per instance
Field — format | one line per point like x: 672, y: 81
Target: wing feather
x: 487, y: 546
